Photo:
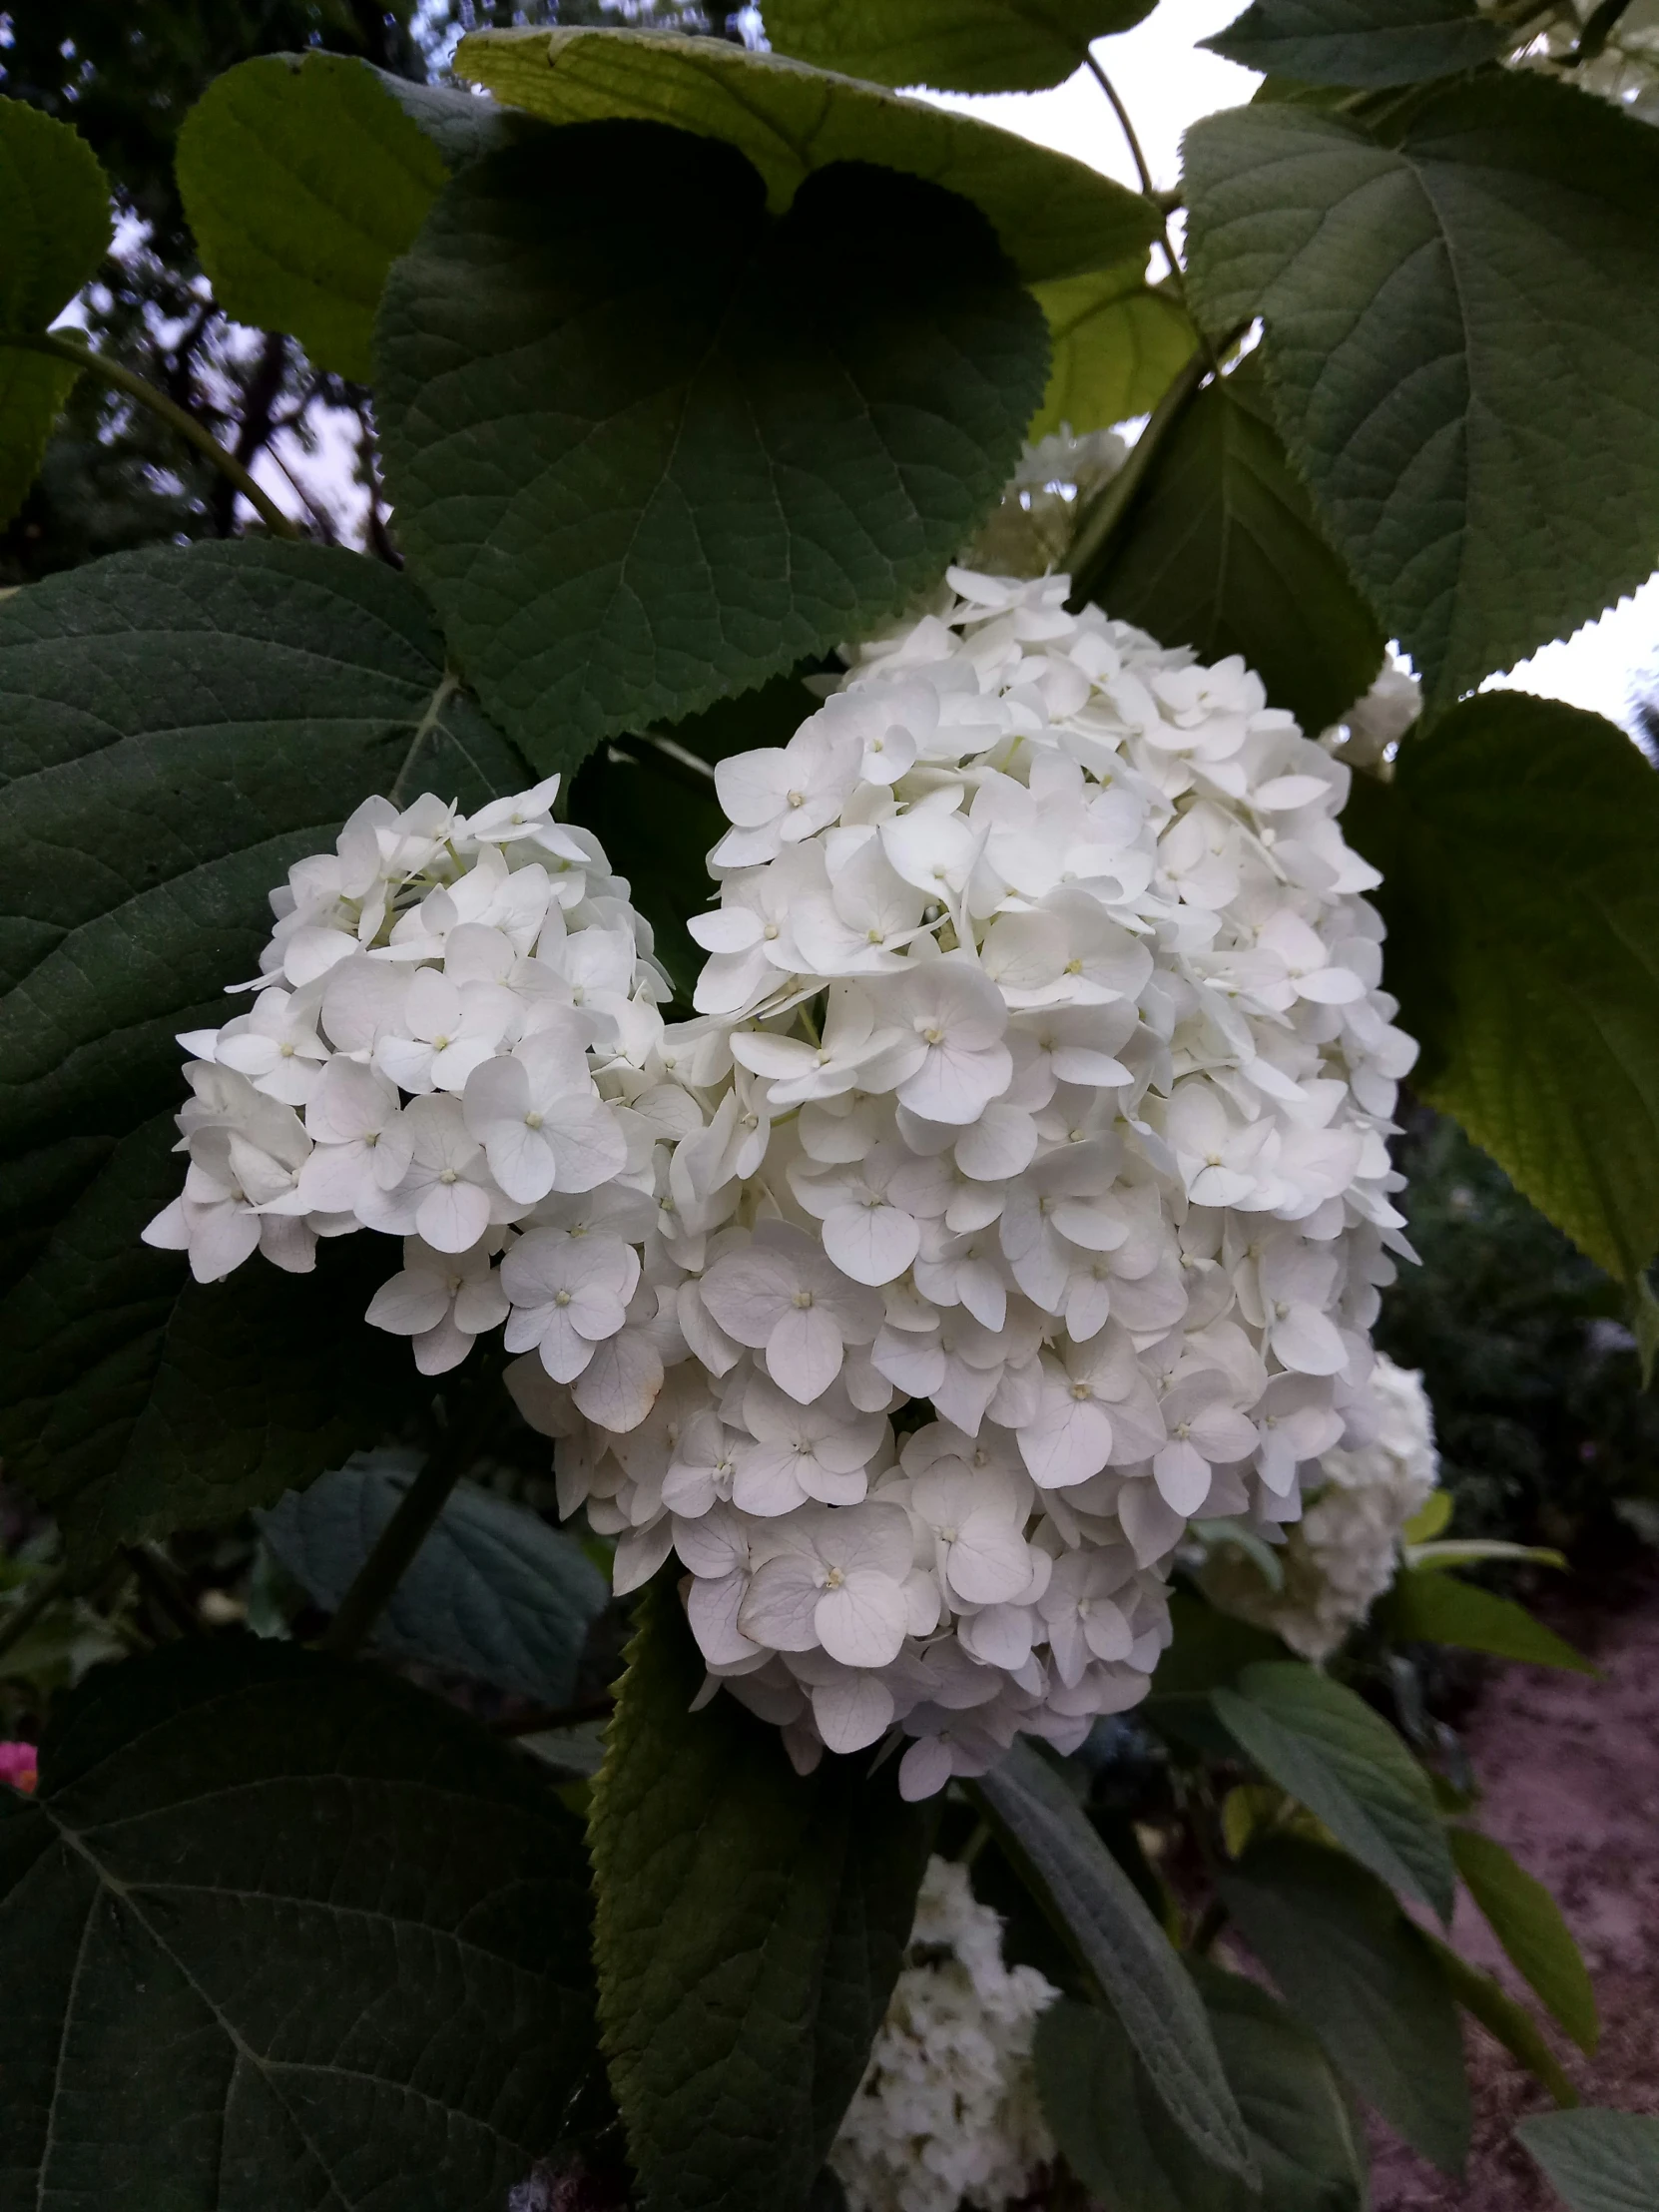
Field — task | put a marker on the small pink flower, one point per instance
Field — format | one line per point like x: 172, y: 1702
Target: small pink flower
x: 19, y: 1765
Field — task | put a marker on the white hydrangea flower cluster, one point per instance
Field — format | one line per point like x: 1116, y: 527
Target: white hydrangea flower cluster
x: 947, y: 2113
x: 1344, y: 1551
x: 447, y: 1042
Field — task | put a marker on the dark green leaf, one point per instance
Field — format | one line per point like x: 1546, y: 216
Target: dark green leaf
x: 1600, y: 2161
x: 1461, y: 299
x: 1111, y: 2127
x: 1360, y: 42
x: 1054, y: 216
x: 1350, y: 1964
x: 305, y: 176
x: 1517, y: 844
x: 493, y: 1592
x: 284, y: 1934
x: 1326, y: 1747
x: 1302, y: 2127
x: 751, y: 1926
x: 1498, y: 2014
x: 1098, y: 1908
x: 954, y: 45
x: 57, y: 226
x: 1528, y: 1922
x: 1429, y: 1606
x: 640, y: 468
x: 176, y: 728
x: 1117, y: 344
x: 1220, y: 549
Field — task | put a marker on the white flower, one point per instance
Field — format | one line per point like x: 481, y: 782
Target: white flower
x: 446, y: 1300
x: 569, y: 1293
x: 833, y: 1579
x: 541, y: 1122
x: 781, y: 1296
x: 950, y: 1061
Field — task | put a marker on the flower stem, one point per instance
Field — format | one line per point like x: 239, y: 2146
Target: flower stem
x: 125, y: 380
x: 1149, y: 189
x: 417, y: 1515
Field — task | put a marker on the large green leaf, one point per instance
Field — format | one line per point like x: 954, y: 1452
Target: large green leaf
x: 637, y: 466
x: 1108, y: 1924
x: 1219, y: 549
x: 1117, y: 346
x: 176, y: 728
x: 1427, y: 1605
x: 1360, y: 42
x: 1350, y: 1964
x: 751, y: 1925
x: 1054, y: 216
x: 57, y: 226
x: 1599, y: 2161
x: 1485, y: 1998
x: 493, y: 1592
x: 283, y: 1935
x: 1528, y: 1922
x: 1328, y: 1749
x: 305, y: 176
x: 1517, y: 844
x: 1461, y: 299
x: 954, y: 45
x: 1310, y: 2154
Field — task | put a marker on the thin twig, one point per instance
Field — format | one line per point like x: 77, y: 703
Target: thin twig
x: 1122, y: 113
x: 417, y: 1513
x: 17, y: 1623
x: 136, y: 387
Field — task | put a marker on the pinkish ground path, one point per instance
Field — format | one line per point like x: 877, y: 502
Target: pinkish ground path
x: 1570, y: 1770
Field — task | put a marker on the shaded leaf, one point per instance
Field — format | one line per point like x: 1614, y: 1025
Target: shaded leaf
x: 954, y: 45
x: 1510, y: 2023
x: 751, y: 1926
x: 55, y: 231
x: 304, y: 176
x: 1054, y: 216
x: 176, y: 728
x: 1429, y: 1606
x: 1326, y: 1747
x: 638, y: 469
x: 493, y: 1592
x: 1098, y: 1908
x: 1517, y: 844
x: 1528, y: 1922
x: 1112, y: 2129
x: 1219, y: 549
x: 1360, y: 42
x: 282, y: 1932
x: 1599, y: 2161
x: 1117, y: 344
x: 1302, y: 2127
x: 1483, y: 448
x: 1351, y: 1965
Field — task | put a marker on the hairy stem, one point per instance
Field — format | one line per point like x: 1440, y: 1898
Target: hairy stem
x: 417, y: 1515
x: 123, y: 381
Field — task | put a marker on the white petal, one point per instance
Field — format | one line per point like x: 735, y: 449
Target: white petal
x: 852, y: 1711
x: 863, y: 1622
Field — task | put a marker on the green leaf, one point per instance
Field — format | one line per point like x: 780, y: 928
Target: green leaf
x: 751, y: 1926
x: 305, y: 176
x: 1430, y: 1517
x: 1510, y: 2023
x: 493, y: 1592
x: 1517, y: 845
x: 176, y: 728
x: 284, y: 1934
x: 1599, y: 2161
x: 1350, y: 1964
x: 1429, y: 1606
x: 1302, y: 2128
x: 1112, y: 2128
x: 639, y: 467
x: 1360, y: 42
x: 1219, y: 549
x: 1473, y: 1551
x: 1117, y: 344
x: 954, y: 45
x: 1097, y: 1906
x: 1054, y: 216
x: 1484, y: 445
x: 1528, y: 1922
x: 1328, y: 1749
x: 55, y: 231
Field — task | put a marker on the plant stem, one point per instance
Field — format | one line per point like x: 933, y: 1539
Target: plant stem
x: 1099, y: 519
x: 135, y: 387
x: 1596, y: 32
x: 18, y: 1622
x: 417, y: 1513
x: 1149, y: 189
